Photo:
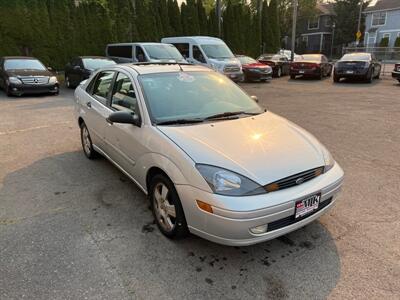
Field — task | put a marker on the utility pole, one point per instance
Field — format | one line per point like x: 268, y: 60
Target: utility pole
x: 218, y: 7
x: 295, y: 4
x: 333, y: 39
x: 358, y: 35
x: 260, y: 6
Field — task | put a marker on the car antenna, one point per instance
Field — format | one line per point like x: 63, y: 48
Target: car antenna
x: 180, y: 67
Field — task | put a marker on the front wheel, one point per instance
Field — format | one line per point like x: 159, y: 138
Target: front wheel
x: 336, y: 78
x: 167, y: 208
x: 369, y: 76
x: 87, y: 144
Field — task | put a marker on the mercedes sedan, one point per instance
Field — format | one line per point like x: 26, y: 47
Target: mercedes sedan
x: 211, y: 160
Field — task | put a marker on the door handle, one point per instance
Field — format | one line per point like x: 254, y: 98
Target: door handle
x: 89, y: 104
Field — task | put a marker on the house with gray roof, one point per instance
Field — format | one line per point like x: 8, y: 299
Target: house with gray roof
x: 382, y: 19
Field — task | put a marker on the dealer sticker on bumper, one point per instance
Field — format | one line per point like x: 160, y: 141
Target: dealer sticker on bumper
x: 307, y: 206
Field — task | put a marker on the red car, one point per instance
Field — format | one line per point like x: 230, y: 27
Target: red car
x: 396, y: 72
x: 311, y: 65
x: 253, y: 70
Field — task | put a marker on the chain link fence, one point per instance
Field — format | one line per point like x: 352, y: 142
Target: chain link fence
x: 388, y: 56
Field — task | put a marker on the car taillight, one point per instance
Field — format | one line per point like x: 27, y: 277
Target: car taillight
x: 397, y: 67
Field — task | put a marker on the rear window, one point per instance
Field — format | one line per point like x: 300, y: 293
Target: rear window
x: 356, y: 56
x: 308, y: 57
x: 120, y: 51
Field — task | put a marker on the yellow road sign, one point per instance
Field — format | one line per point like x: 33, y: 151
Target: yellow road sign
x: 358, y: 35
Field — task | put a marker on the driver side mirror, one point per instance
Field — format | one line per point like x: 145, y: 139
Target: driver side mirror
x: 50, y: 69
x: 77, y: 68
x: 124, y: 117
x: 255, y: 98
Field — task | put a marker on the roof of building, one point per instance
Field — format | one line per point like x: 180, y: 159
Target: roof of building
x: 326, y: 9
x: 383, y: 5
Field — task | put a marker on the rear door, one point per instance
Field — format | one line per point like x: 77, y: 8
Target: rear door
x: 96, y: 107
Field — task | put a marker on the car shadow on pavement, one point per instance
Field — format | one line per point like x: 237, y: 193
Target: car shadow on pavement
x: 69, y: 225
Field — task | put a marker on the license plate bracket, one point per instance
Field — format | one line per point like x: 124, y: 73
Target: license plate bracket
x: 307, y: 206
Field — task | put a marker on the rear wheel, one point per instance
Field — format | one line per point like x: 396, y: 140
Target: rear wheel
x: 292, y: 76
x: 7, y: 90
x: 68, y: 82
x: 167, y: 208
x: 336, y: 78
x: 279, y: 72
x: 369, y: 76
x: 87, y: 145
x: 321, y: 75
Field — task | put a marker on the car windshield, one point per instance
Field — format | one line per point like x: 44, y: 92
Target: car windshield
x: 163, y: 52
x: 193, y: 96
x: 217, y: 51
x: 23, y: 64
x: 246, y: 60
x: 95, y: 63
x: 356, y: 56
x: 312, y: 57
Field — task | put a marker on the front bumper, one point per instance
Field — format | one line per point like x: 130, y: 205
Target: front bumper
x: 236, y: 77
x: 19, y: 89
x: 233, y: 217
x: 258, y: 75
x: 396, y: 75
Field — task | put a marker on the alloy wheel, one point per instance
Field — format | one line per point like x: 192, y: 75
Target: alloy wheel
x: 86, y: 143
x: 165, y: 211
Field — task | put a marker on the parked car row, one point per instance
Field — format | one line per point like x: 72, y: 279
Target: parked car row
x: 19, y: 75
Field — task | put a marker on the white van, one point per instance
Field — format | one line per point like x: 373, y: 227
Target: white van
x: 143, y: 52
x: 208, y: 51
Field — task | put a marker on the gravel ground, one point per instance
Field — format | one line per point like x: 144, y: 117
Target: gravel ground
x: 71, y: 228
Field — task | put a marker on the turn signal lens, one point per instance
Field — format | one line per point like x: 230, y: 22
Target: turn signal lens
x: 272, y: 187
x: 204, y: 206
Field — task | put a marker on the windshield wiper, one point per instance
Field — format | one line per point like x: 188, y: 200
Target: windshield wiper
x: 229, y: 114
x: 180, y: 121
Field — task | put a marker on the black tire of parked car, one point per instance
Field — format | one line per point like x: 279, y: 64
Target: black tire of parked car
x: 336, y: 78
x: 292, y: 77
x: 320, y: 75
x: 378, y: 75
x: 279, y: 72
x: 90, y: 153
x: 7, y: 90
x: 180, y: 229
x: 370, y: 76
x: 68, y: 82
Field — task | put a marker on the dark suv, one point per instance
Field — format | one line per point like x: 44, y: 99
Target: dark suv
x: 26, y: 75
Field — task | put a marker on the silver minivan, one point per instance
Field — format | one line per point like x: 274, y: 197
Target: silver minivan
x: 143, y: 52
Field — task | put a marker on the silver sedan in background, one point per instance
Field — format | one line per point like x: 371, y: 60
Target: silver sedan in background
x: 210, y: 159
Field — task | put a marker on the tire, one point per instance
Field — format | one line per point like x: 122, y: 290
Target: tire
x: 167, y: 208
x: 279, y: 72
x: 336, y: 78
x: 7, y: 90
x: 68, y: 82
x: 378, y: 75
x: 321, y: 75
x: 87, y: 145
x: 293, y: 77
x: 369, y: 76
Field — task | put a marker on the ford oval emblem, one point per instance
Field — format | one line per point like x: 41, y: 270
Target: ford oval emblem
x: 299, y: 180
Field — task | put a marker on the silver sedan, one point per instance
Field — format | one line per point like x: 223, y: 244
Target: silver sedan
x: 210, y: 159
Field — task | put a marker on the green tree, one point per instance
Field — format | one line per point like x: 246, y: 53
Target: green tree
x: 174, y: 16
x: 202, y: 17
x: 384, y: 42
x: 397, y: 42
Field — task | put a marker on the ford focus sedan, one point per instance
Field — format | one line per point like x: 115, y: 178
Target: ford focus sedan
x: 211, y: 160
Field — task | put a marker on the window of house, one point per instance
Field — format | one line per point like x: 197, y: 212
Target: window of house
x: 313, y: 23
x: 328, y: 22
x: 378, y: 18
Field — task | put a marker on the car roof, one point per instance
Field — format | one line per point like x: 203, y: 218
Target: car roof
x: 195, y: 39
x: 19, y: 57
x: 358, y: 53
x: 94, y: 57
x: 156, y: 68
x: 136, y: 43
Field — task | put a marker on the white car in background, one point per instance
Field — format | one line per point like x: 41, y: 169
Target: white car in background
x: 210, y: 159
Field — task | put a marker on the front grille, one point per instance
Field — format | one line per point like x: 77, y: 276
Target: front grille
x: 291, y: 219
x: 232, y: 69
x: 294, y: 180
x: 34, y: 79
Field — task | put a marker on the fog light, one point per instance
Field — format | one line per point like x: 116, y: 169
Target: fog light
x: 259, y: 229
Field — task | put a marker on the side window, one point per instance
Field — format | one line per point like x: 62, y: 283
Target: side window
x: 140, y: 57
x: 123, y: 95
x: 183, y: 48
x: 80, y: 63
x: 102, y: 85
x: 120, y: 51
x: 198, y: 55
x: 74, y: 62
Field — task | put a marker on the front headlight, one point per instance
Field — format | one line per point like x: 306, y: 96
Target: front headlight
x: 329, y: 161
x: 14, y: 80
x: 228, y: 183
x: 53, y: 79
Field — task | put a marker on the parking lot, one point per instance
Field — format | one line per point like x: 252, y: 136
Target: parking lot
x: 71, y: 228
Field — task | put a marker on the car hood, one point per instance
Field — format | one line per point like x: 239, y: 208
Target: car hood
x: 224, y: 61
x: 256, y: 65
x: 265, y: 148
x: 16, y: 73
